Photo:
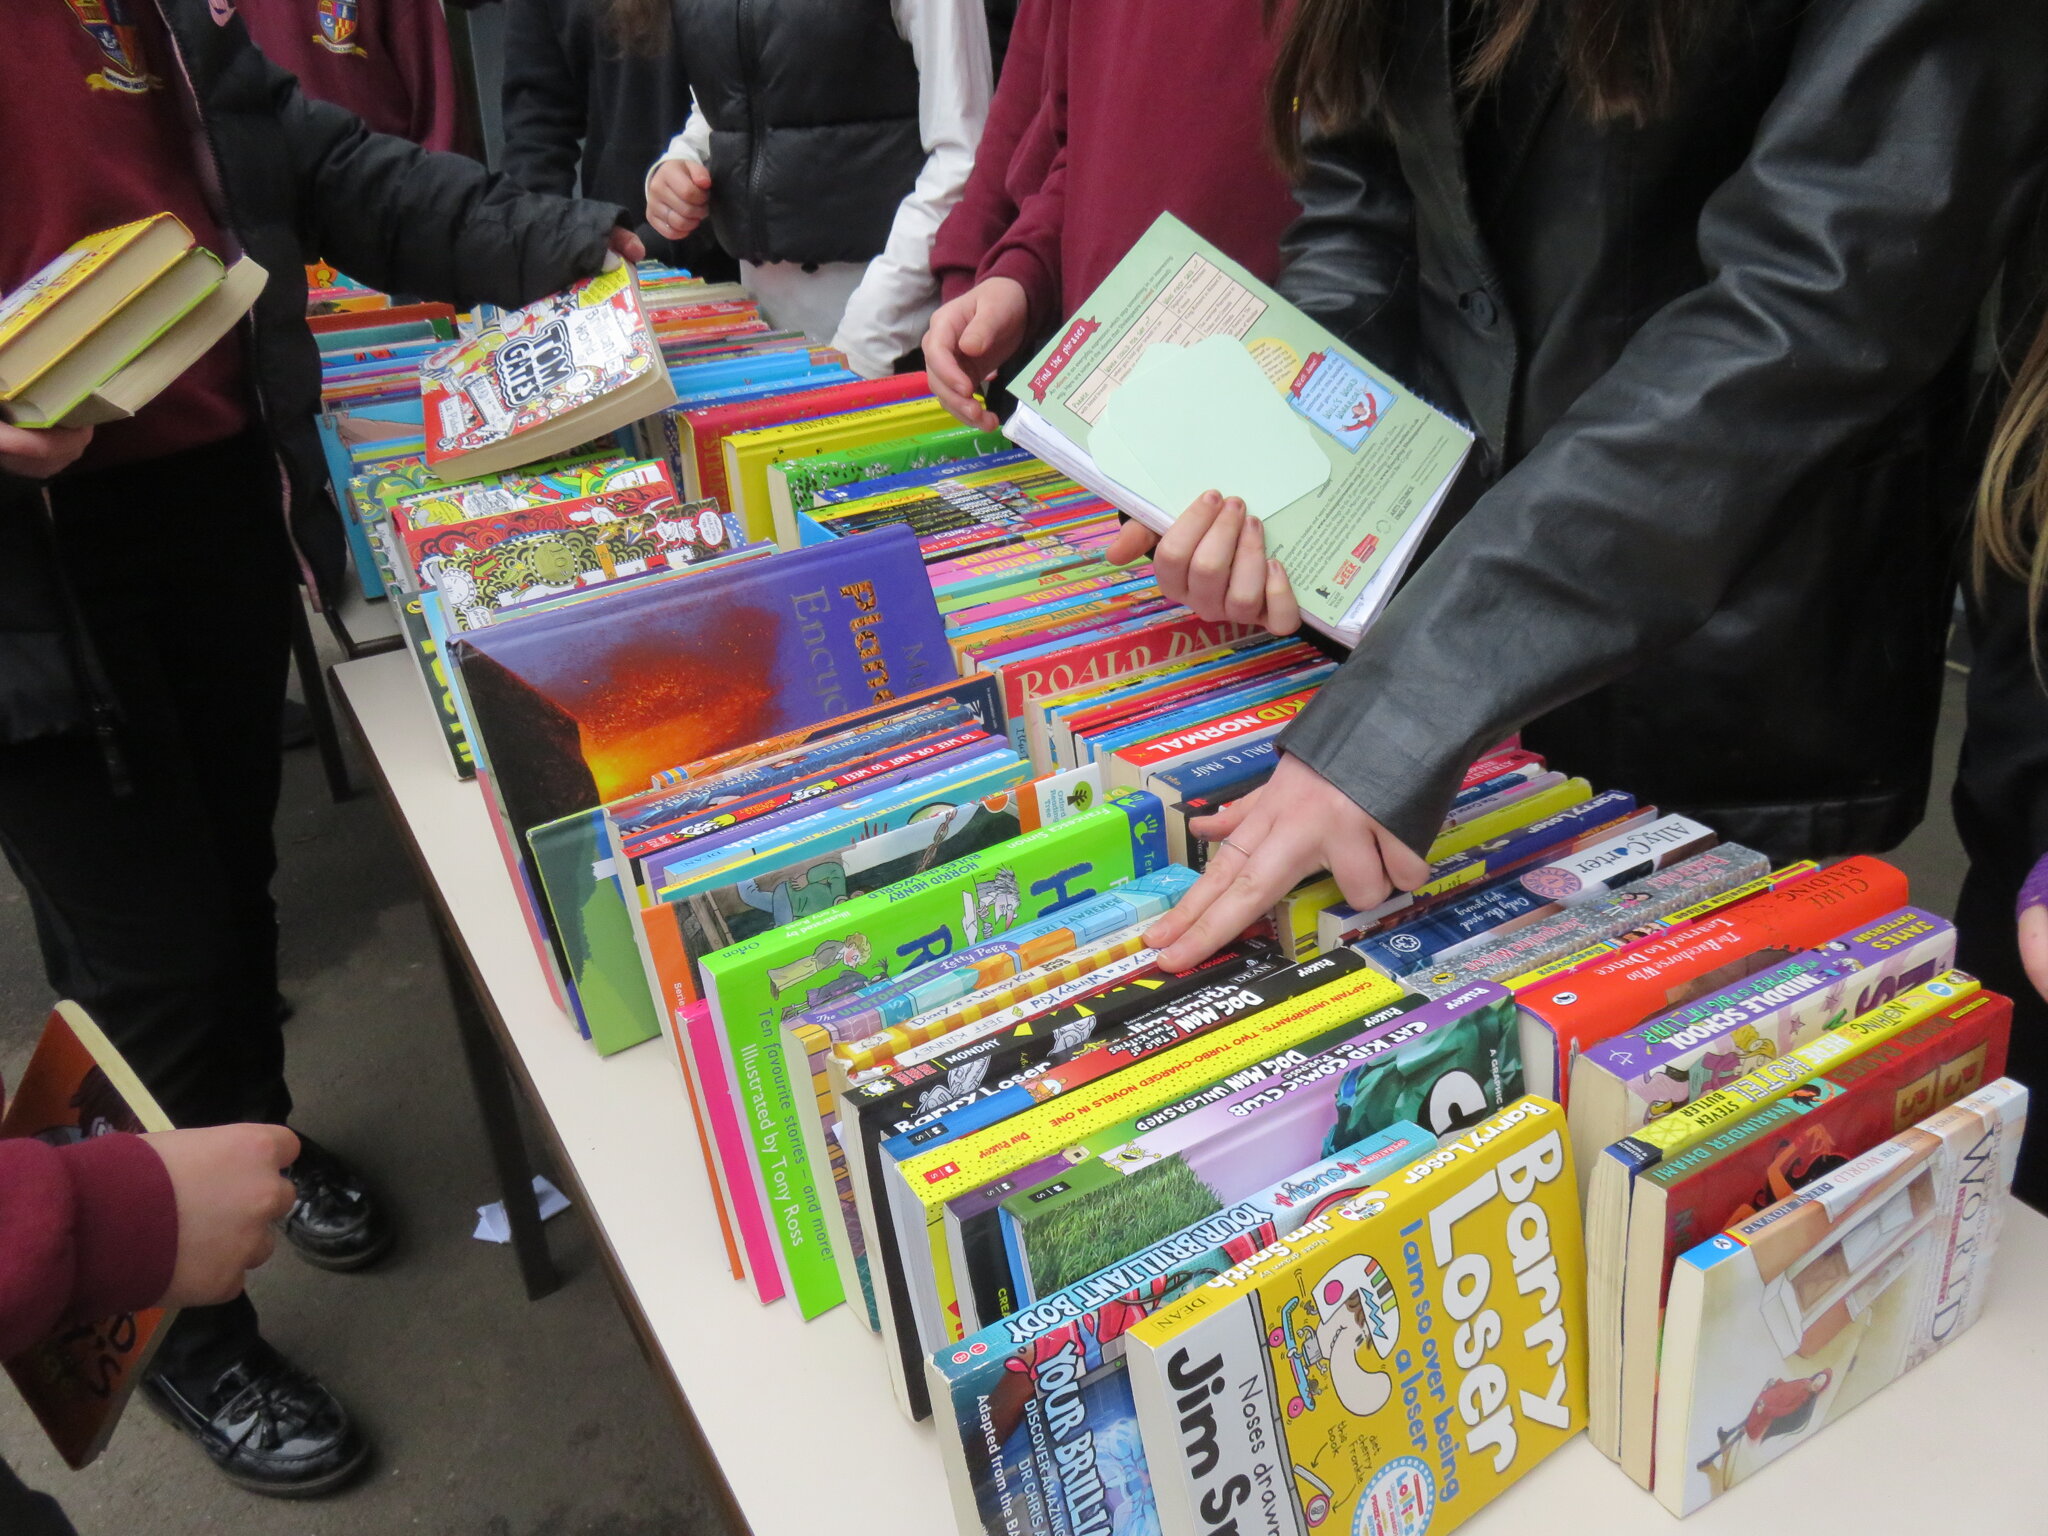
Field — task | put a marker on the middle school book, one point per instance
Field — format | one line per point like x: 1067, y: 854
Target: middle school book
x: 754, y: 987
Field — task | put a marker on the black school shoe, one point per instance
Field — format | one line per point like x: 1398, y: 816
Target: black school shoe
x: 268, y: 1426
x: 338, y: 1223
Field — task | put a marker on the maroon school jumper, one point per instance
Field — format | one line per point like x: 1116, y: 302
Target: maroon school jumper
x: 86, y: 1231
x: 1133, y: 108
x: 97, y: 135
x: 387, y: 61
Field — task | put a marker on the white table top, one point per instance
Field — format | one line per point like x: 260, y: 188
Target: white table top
x: 800, y: 1419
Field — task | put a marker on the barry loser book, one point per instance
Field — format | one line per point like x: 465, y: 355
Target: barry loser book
x: 1183, y: 373
x: 77, y: 1381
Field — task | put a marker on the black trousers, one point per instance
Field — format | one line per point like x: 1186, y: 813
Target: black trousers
x: 2001, y: 810
x: 24, y: 1512
x: 153, y: 907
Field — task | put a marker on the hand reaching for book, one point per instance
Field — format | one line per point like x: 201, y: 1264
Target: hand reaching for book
x: 39, y: 454
x: 969, y: 339
x: 678, y: 197
x: 1280, y: 834
x: 1214, y: 559
x: 229, y: 1192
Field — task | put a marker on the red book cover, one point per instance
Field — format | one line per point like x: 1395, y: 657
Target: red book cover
x: 77, y: 1381
x: 1621, y: 989
x: 1214, y: 734
x: 363, y: 319
x: 701, y: 433
x: 1170, y: 637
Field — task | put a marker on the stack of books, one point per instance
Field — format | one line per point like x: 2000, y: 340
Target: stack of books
x: 101, y: 330
x: 821, y: 741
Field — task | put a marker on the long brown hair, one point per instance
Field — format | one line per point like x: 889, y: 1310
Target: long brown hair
x: 1621, y: 57
x: 2012, y: 496
x: 638, y: 26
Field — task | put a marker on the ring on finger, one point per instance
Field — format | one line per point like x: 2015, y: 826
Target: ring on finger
x: 1233, y: 847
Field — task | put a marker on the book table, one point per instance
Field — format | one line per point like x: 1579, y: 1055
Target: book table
x: 798, y: 1419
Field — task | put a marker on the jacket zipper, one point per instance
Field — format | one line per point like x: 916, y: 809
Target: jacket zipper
x: 743, y: 26
x: 217, y: 184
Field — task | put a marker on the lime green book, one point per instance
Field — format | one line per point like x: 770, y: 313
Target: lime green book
x: 794, y: 484
x: 756, y: 987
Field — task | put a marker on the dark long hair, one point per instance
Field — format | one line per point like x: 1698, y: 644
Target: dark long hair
x: 1621, y: 58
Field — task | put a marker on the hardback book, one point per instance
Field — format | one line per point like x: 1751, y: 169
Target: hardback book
x: 544, y: 378
x: 142, y: 347
x: 77, y: 291
x: 694, y: 437
x: 749, y: 455
x: 78, y: 1380
x: 1769, y: 1156
x: 1013, y: 1396
x: 1784, y: 1323
x: 1009, y: 1132
x: 1183, y: 373
x: 1395, y: 1365
x: 757, y: 987
x: 579, y: 706
x: 794, y: 484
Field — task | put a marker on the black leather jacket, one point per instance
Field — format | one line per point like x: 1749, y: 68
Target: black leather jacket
x: 1710, y: 363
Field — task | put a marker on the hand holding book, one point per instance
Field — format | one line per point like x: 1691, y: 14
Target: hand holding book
x: 40, y: 452
x: 968, y: 339
x: 1294, y: 825
x: 1214, y: 560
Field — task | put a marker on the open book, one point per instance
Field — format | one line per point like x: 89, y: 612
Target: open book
x: 1183, y: 373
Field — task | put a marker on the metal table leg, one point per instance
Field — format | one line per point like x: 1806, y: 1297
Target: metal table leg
x: 313, y: 684
x: 493, y: 1088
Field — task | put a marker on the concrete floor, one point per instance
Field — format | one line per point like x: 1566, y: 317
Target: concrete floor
x: 492, y: 1417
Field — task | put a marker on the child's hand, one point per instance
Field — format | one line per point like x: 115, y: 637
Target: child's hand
x: 1214, y: 560
x: 969, y: 339
x: 628, y: 246
x: 678, y: 197
x: 229, y: 1191
x: 42, y: 452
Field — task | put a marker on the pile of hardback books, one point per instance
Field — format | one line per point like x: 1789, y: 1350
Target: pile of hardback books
x: 821, y: 741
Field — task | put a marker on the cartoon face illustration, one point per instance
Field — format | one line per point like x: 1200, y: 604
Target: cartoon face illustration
x: 1333, y: 1341
x: 990, y: 906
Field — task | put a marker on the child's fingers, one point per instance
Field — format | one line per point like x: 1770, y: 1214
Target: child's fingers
x: 1283, y: 614
x: 1244, y: 599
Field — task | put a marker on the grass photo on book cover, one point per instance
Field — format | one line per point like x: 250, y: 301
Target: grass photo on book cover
x: 1077, y: 1241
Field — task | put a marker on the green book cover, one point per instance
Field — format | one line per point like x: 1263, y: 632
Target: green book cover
x: 755, y: 986
x: 600, y: 942
x: 797, y: 482
x: 1183, y: 373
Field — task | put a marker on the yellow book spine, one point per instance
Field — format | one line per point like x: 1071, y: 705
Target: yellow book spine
x: 957, y: 1167
x: 1548, y: 802
x: 1690, y: 1124
x: 19, y: 309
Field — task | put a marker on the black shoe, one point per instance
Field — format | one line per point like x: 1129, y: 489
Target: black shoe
x: 267, y: 1425
x: 338, y: 1222
x: 295, y: 728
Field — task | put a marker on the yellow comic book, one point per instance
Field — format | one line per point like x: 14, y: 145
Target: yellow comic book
x: 1391, y: 1366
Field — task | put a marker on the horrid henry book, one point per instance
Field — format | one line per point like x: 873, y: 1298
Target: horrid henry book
x: 77, y: 1380
x: 581, y: 706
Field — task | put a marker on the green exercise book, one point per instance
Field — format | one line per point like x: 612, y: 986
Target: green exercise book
x: 754, y: 987
x: 1182, y: 373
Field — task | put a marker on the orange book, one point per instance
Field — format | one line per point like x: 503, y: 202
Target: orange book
x: 1565, y: 1013
x: 77, y: 1381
